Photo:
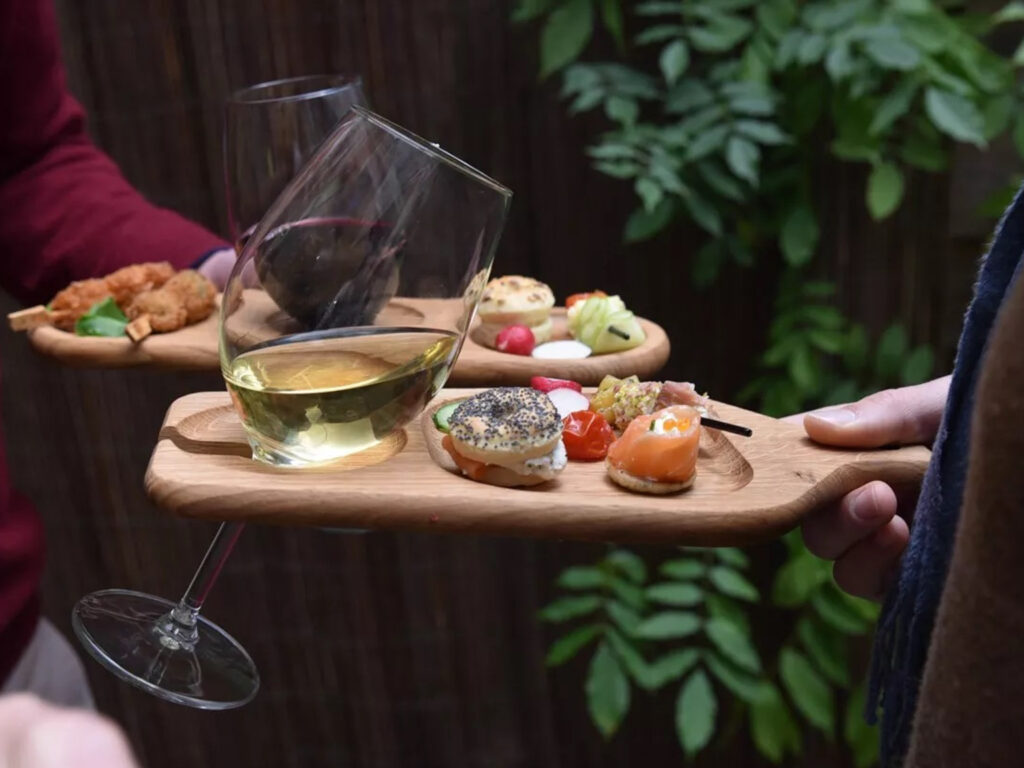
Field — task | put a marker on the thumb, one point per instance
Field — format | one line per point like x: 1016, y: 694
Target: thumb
x: 903, y: 416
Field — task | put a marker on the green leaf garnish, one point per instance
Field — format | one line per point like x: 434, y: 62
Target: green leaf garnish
x: 104, y: 318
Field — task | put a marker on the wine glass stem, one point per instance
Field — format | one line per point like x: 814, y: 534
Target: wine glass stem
x: 178, y: 628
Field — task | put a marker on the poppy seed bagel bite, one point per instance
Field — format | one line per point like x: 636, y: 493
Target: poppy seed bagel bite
x: 516, y: 300
x: 505, y: 426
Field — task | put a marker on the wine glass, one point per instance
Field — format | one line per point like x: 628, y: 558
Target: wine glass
x: 270, y: 130
x: 341, y: 319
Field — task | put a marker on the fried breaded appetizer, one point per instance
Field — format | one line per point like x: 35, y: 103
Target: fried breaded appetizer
x: 75, y: 300
x: 196, y: 293
x: 164, y: 307
x: 128, y: 282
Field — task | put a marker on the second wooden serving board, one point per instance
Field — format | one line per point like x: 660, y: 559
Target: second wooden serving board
x: 747, y: 489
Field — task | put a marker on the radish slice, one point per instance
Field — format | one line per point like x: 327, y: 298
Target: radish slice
x: 562, y: 350
x: 568, y: 401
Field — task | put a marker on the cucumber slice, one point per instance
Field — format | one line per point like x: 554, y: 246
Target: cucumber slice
x: 443, y: 414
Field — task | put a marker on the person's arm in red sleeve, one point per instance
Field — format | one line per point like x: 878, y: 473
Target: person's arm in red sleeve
x: 66, y: 212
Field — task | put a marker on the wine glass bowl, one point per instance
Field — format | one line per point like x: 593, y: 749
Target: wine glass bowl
x: 377, y: 251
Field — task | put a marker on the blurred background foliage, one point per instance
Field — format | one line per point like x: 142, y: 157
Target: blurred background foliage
x: 719, y: 112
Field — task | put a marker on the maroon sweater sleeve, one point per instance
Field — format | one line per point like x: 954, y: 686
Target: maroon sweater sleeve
x: 65, y: 210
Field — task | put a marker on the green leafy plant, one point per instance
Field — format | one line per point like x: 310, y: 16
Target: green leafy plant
x: 687, y: 626
x: 719, y: 113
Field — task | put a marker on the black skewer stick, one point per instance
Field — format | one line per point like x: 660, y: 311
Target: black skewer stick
x: 618, y: 332
x: 724, y: 426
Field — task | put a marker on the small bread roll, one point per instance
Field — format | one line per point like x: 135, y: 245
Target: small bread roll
x: 516, y: 300
x: 643, y: 485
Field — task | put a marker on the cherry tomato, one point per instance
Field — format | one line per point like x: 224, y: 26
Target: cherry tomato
x: 586, y: 435
x: 544, y: 384
x: 582, y: 297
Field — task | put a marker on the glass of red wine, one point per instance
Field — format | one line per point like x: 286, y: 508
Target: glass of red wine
x: 167, y: 649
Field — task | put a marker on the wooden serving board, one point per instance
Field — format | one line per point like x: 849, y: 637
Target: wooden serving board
x: 747, y: 489
x: 196, y: 347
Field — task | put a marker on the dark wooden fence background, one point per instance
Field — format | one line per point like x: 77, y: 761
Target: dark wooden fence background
x: 401, y: 650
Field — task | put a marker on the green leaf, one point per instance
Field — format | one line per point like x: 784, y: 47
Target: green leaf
x: 743, y: 157
x: 722, y: 607
x: 570, y: 607
x: 885, y: 190
x: 627, y: 592
x: 529, y: 9
x: 731, y: 641
x: 673, y: 61
x: 892, y: 346
x: 731, y: 583
x: 893, y: 106
x: 607, y: 691
x: 747, y: 687
x: 686, y: 95
x: 811, y: 49
x: 672, y: 666
x: 659, y: 33
x: 611, y: 15
x: 835, y: 612
x: 707, y: 263
x: 839, y: 63
x: 720, y: 181
x: 955, y: 116
x: 650, y: 192
x: 629, y: 564
x: 892, y: 53
x: 674, y: 593
x: 682, y: 569
x: 104, y: 318
x: 1013, y: 11
x: 659, y: 9
x: 569, y: 645
x: 811, y: 695
x: 565, y: 35
x: 643, y: 225
x: 856, y: 354
x: 669, y: 624
x: 917, y: 367
x: 749, y: 98
x: 631, y: 659
x: 721, y: 33
x: 586, y: 100
x: 773, y: 727
x: 761, y: 131
x: 704, y: 214
x: 860, y: 737
x: 775, y: 16
x: 997, y: 114
x: 833, y: 15
x: 799, y: 235
x: 803, y: 369
x: 581, y: 577
x: 696, y: 708
x: 732, y: 556
x: 612, y: 151
x: 707, y: 142
x: 622, y: 110
x: 798, y: 578
x: 618, y: 169
x: 826, y: 648
x: 832, y: 342
x: 625, y: 618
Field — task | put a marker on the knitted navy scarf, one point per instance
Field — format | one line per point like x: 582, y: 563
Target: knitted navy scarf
x: 905, y: 627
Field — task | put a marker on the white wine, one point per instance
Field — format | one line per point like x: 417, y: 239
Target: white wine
x: 315, y: 397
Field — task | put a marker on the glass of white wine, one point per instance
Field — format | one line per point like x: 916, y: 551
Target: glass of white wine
x: 341, y: 319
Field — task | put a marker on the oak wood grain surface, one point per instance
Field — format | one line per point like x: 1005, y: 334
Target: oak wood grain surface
x: 747, y: 489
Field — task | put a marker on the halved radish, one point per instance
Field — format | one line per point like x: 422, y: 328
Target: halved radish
x: 568, y: 401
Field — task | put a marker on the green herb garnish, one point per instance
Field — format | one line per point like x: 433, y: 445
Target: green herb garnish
x: 104, y: 318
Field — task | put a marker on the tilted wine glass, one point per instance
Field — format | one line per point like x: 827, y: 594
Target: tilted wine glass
x: 347, y: 309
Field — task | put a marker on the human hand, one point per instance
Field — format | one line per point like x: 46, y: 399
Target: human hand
x: 34, y: 734
x: 866, y: 532
x: 217, y: 267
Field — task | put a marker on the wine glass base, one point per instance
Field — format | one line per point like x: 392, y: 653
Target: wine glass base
x: 120, y: 629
